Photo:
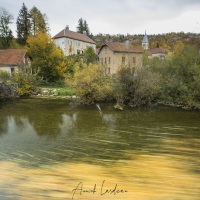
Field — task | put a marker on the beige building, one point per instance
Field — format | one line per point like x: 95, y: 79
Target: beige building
x: 72, y: 42
x: 115, y: 55
x: 11, y: 60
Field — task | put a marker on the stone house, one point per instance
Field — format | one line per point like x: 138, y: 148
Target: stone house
x: 11, y: 60
x: 115, y: 55
x: 72, y: 42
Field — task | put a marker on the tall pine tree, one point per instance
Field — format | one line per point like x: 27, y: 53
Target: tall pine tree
x: 6, y: 35
x: 38, y: 21
x: 23, y: 25
x: 83, y: 26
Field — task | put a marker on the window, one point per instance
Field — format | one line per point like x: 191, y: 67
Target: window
x: 134, y: 60
x: 12, y: 70
x: 78, y: 44
x: 105, y: 61
x: 109, y: 60
x: 123, y: 60
x: 70, y: 42
x: 102, y: 61
x: 78, y: 51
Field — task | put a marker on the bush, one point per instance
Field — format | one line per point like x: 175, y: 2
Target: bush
x: 137, y: 87
x: 92, y: 84
x: 26, y: 83
x: 4, y: 76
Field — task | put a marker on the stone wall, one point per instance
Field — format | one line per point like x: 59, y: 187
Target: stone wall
x: 8, y: 91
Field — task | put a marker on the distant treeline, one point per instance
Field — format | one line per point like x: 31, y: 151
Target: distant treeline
x: 157, y: 40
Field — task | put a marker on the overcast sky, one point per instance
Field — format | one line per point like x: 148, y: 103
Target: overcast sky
x: 115, y: 16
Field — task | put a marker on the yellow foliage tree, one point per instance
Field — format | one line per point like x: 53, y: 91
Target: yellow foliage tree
x: 92, y: 84
x: 47, y: 60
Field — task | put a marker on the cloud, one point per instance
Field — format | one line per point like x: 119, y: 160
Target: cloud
x: 114, y: 16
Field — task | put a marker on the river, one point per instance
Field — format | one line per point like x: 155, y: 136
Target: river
x: 57, y: 149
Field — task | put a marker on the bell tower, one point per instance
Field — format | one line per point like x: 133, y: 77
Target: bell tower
x: 145, y: 42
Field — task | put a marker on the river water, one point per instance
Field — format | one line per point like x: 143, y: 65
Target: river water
x: 56, y: 149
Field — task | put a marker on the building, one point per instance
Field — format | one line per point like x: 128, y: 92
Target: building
x: 156, y: 52
x: 11, y: 60
x: 152, y: 52
x: 114, y: 55
x: 72, y: 42
x: 145, y: 42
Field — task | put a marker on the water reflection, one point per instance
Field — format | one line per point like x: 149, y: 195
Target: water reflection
x: 144, y: 177
x: 48, y: 147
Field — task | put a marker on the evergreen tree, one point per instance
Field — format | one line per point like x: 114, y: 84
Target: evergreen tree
x: 6, y: 35
x: 23, y: 25
x: 83, y: 26
x: 80, y: 27
x: 86, y: 28
x: 38, y: 21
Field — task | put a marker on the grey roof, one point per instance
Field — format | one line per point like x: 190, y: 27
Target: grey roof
x: 145, y: 38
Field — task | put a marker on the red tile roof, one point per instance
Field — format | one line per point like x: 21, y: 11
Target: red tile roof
x: 74, y: 35
x: 156, y: 51
x: 12, y: 56
x: 122, y: 47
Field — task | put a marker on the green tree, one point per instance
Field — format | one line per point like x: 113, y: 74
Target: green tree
x: 47, y: 60
x: 38, y: 21
x: 83, y: 26
x: 6, y: 35
x: 90, y: 55
x: 136, y: 87
x: 181, y: 77
x: 23, y: 25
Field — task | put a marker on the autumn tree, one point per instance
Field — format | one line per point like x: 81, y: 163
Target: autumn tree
x: 23, y: 25
x: 92, y: 84
x: 47, y: 60
x: 38, y: 21
x: 6, y: 35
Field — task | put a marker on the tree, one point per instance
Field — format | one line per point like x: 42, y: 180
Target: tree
x: 92, y: 84
x: 80, y: 27
x: 90, y: 56
x: 38, y: 21
x: 181, y: 77
x: 23, y: 25
x: 136, y: 87
x: 48, y: 60
x: 83, y: 26
x: 6, y: 35
x: 86, y: 28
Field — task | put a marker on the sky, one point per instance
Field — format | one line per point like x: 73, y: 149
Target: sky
x: 115, y: 16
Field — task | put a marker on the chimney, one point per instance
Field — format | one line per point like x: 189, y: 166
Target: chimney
x: 84, y: 33
x: 67, y: 28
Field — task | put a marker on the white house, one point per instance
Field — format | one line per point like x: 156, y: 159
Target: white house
x: 72, y: 42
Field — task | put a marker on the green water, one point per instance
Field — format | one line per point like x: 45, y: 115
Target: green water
x: 48, y: 146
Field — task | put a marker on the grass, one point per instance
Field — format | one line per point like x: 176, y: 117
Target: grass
x: 61, y: 91
x: 66, y: 92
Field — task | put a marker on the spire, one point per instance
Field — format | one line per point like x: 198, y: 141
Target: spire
x: 145, y: 42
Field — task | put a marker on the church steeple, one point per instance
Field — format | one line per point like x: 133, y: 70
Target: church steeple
x: 145, y: 42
